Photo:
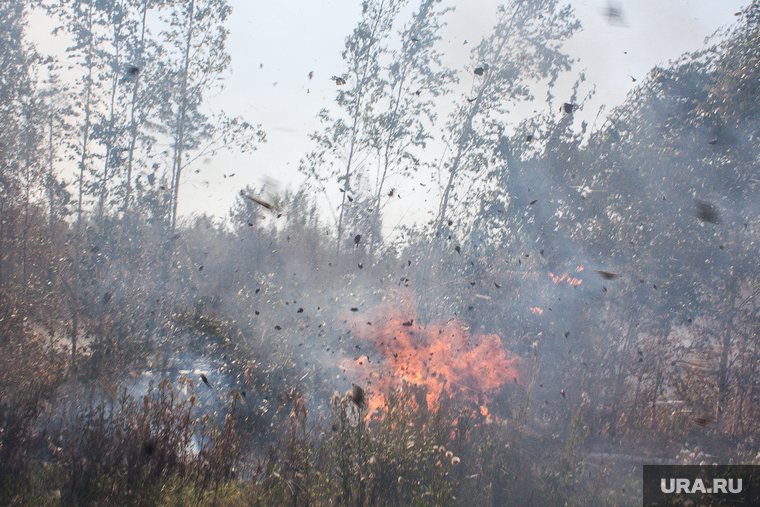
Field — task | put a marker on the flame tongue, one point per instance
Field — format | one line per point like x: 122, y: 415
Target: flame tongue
x: 439, y: 356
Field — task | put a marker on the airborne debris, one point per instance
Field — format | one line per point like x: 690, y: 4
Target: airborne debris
x: 205, y: 380
x: 148, y: 447
x: 258, y: 201
x: 534, y: 201
x: 607, y: 275
x: 703, y: 421
x: 357, y: 239
x: 338, y: 80
x: 614, y: 14
x: 751, y: 296
x: 457, y: 250
x: 567, y: 107
x: 497, y: 285
x: 131, y: 74
x: 562, y: 392
x: 311, y: 75
x: 707, y: 212
x: 357, y: 396
x: 479, y: 71
x: 408, y: 323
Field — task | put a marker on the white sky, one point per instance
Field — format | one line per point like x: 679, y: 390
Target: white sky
x: 293, y: 38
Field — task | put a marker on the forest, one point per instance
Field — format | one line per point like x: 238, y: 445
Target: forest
x: 583, y: 300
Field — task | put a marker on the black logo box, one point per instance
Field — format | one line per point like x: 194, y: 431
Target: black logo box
x: 654, y: 496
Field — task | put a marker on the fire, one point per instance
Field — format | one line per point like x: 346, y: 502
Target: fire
x: 441, y: 356
x: 571, y: 280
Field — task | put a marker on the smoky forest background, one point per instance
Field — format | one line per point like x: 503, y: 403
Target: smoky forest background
x: 582, y: 299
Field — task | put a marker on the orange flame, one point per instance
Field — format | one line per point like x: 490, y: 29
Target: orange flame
x: 442, y: 356
x: 570, y: 280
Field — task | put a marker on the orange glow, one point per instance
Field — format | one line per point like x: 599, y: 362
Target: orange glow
x: 536, y: 310
x: 572, y: 281
x: 441, y: 356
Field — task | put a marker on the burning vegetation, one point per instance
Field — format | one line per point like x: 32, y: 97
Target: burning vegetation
x: 441, y: 357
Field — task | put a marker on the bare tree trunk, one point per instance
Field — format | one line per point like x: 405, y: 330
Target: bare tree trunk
x: 723, y: 386
x: 86, y: 132
x: 74, y: 332
x: 345, y: 184
x: 386, y: 164
x: 24, y: 233
x: 620, y: 382
x: 447, y: 191
x: 132, y: 122
x: 2, y: 241
x: 111, y: 122
x: 51, y: 177
x: 180, y: 137
x: 723, y: 368
x: 655, y: 392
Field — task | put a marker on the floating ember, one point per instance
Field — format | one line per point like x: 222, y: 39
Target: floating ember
x: 441, y: 356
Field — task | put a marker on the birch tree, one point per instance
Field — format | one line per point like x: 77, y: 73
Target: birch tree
x: 197, y: 59
x: 525, y: 48
x: 415, y: 77
x: 345, y: 142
